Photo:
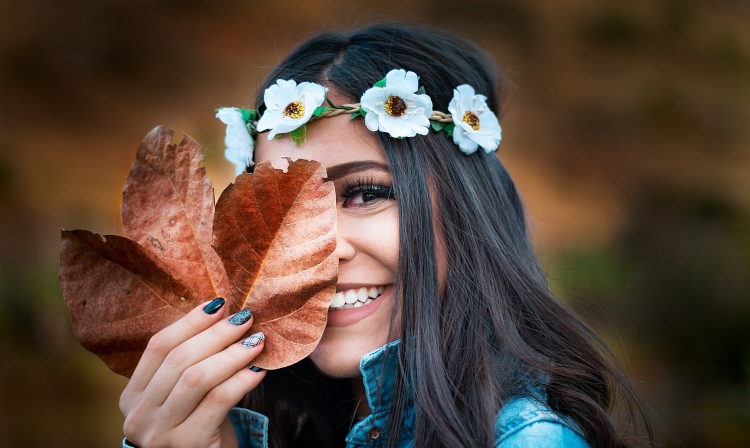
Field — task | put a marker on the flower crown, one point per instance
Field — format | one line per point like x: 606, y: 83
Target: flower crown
x: 395, y: 104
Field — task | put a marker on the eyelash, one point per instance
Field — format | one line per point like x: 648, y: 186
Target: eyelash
x: 354, y: 187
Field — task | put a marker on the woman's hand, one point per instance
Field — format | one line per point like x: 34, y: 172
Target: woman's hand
x: 191, y: 374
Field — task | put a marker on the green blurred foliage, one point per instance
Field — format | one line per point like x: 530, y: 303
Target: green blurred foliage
x: 673, y: 294
x: 54, y: 393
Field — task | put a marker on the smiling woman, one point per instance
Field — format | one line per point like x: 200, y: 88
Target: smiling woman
x: 442, y: 331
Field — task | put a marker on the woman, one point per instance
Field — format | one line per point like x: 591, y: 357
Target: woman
x: 460, y: 343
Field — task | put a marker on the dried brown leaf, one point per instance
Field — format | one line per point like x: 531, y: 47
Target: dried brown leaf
x: 168, y: 208
x: 118, y: 296
x: 276, y: 233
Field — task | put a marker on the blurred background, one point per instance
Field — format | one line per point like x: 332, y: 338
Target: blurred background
x: 628, y: 133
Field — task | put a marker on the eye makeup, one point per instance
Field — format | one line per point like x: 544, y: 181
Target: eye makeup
x: 364, y: 191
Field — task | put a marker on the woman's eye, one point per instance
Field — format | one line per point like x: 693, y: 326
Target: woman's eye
x: 362, y: 198
x: 366, y: 195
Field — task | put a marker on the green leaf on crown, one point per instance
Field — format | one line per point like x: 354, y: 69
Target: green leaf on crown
x: 333, y: 106
x: 299, y: 135
x: 380, y: 83
x: 359, y: 113
x: 420, y: 91
x: 319, y: 110
x: 330, y: 103
x: 440, y: 126
x: 249, y: 115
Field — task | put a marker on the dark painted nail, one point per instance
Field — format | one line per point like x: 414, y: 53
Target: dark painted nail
x: 214, y: 305
x: 241, y: 318
x: 255, y: 369
x: 254, y: 340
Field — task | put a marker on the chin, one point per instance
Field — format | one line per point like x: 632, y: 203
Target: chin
x: 352, y: 333
x: 339, y: 353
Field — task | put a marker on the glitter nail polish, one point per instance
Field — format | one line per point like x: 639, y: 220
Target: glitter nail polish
x: 241, y: 318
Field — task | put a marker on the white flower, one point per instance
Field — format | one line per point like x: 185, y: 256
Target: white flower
x: 396, y: 107
x: 476, y: 125
x: 289, y: 106
x: 239, y: 142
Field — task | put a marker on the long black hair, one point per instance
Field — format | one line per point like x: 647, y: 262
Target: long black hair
x: 493, y: 330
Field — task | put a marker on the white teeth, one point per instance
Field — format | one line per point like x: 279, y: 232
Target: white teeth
x: 350, y: 296
x: 338, y: 300
x: 361, y: 294
x: 354, y: 298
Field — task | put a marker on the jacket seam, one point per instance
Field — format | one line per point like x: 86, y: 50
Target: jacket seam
x: 508, y: 429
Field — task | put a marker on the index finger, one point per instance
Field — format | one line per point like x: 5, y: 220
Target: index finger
x: 197, y: 320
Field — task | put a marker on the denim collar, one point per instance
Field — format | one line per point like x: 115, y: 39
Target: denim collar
x: 379, y: 369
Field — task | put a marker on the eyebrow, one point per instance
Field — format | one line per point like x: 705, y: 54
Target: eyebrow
x: 338, y: 171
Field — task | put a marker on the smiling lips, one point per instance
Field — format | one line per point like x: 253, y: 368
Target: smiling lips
x: 354, y: 298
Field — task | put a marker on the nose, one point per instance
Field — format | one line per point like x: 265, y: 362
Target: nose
x: 345, y: 249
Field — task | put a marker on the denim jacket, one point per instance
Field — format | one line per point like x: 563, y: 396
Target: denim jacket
x: 521, y: 423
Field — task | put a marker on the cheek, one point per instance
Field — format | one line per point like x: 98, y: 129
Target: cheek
x: 382, y: 238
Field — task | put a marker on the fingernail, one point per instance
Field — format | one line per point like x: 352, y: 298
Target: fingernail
x: 214, y: 305
x: 253, y: 340
x: 241, y: 318
x: 255, y: 369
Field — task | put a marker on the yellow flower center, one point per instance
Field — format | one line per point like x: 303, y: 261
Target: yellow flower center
x: 294, y: 110
x: 471, y: 119
x: 395, y: 106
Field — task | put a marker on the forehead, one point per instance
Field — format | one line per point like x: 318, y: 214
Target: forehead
x: 331, y: 141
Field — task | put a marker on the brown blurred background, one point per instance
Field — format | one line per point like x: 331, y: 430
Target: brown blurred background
x: 628, y: 133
